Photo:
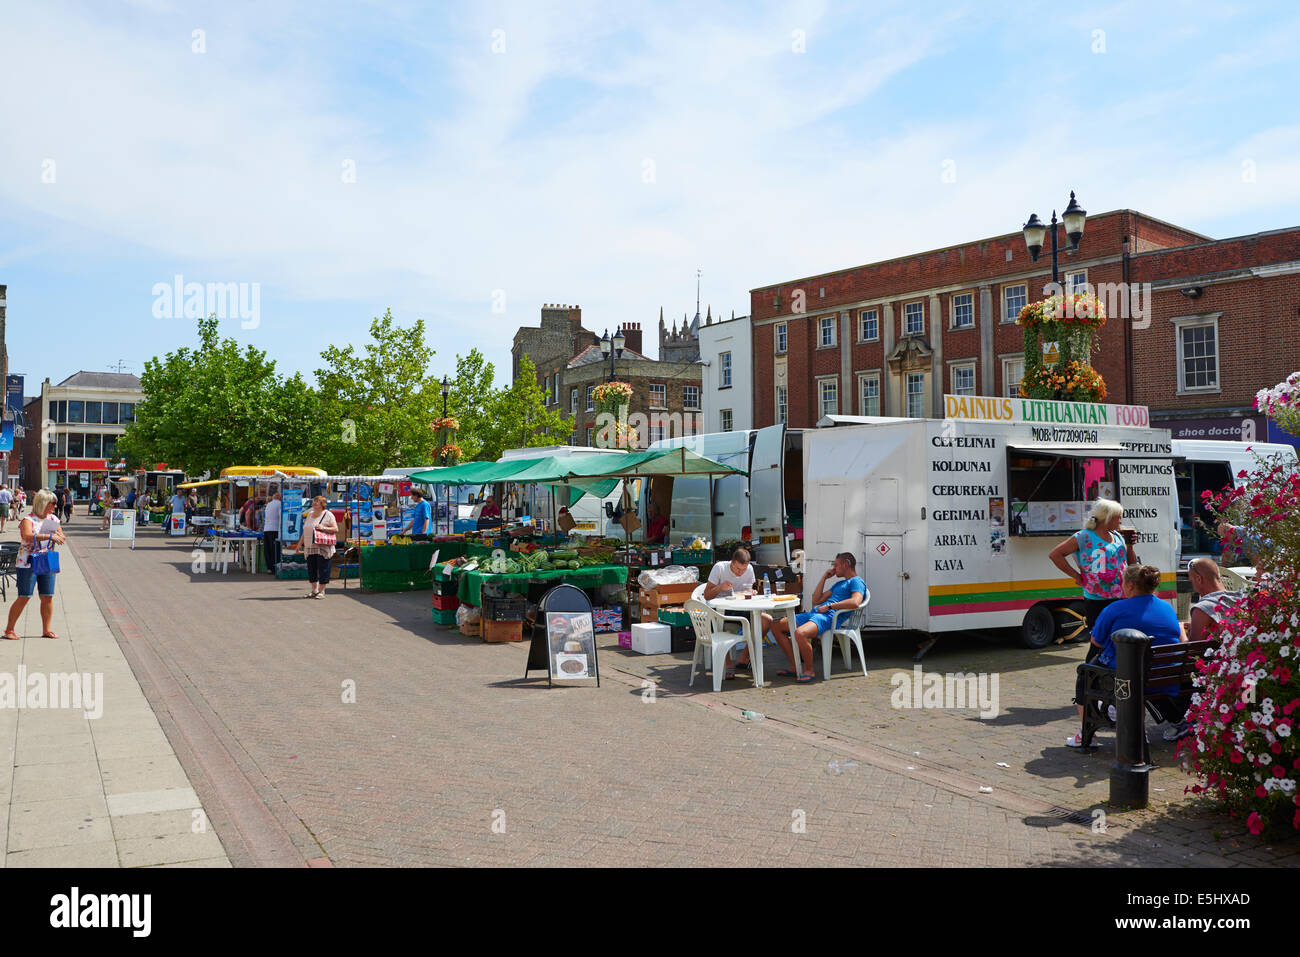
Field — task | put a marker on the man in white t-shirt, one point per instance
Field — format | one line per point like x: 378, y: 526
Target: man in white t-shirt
x: 732, y: 578
x: 271, y: 532
x: 6, y: 500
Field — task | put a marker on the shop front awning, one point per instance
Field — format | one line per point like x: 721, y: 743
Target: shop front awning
x: 1067, y: 450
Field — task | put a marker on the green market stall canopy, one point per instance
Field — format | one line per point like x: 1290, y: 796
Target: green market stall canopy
x: 598, y: 474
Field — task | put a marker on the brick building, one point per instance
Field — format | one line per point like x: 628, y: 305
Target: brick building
x: 570, y: 365
x: 891, y: 338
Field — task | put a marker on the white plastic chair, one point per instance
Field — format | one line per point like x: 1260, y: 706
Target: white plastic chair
x: 709, y: 634
x: 848, y: 630
x: 698, y: 593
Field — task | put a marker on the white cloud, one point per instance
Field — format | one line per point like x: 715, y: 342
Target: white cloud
x: 478, y: 171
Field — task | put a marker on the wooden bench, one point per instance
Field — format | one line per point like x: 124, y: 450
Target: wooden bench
x: 1165, y: 666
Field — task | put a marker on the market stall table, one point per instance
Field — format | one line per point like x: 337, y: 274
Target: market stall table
x: 470, y: 588
x: 242, y: 546
x: 774, y: 605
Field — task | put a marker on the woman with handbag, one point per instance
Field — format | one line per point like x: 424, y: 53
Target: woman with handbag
x: 37, y: 562
x: 319, y: 533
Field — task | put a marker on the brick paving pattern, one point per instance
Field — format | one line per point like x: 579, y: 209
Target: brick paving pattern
x: 445, y: 737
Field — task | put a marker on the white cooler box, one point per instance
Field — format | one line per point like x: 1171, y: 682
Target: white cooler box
x: 651, y: 638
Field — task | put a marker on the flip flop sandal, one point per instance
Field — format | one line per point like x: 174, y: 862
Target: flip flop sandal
x: 12, y: 636
x: 804, y: 679
x: 730, y: 675
x: 786, y: 673
x: 48, y: 634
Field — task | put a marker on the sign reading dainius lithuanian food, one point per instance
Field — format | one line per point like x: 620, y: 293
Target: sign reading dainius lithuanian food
x: 1047, y: 411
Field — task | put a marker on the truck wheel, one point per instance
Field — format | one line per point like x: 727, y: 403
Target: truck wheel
x: 1038, y: 630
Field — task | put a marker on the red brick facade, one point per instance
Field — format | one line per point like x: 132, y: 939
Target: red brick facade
x: 1253, y: 305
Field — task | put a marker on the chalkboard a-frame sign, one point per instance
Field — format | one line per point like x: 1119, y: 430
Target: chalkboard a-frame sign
x: 564, y: 641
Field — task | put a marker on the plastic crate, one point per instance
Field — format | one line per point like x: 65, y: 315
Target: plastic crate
x: 504, y: 609
x: 445, y: 617
x: 286, y: 572
x: 692, y: 556
x: 446, y: 602
x: 346, y: 571
x: 446, y: 586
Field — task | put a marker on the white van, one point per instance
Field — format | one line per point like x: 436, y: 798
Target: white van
x: 952, y: 520
x: 1202, y: 465
x: 765, y: 501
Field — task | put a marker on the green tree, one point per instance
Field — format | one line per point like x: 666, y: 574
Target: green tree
x: 470, y: 401
x: 378, y: 408
x: 520, y: 419
x: 219, y: 405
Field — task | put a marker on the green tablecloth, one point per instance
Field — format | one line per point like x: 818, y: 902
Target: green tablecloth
x: 470, y: 591
x: 416, y: 556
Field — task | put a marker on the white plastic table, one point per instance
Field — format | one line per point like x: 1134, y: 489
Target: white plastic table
x: 755, y: 607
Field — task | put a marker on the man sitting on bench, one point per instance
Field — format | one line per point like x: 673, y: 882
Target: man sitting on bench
x: 1141, y: 610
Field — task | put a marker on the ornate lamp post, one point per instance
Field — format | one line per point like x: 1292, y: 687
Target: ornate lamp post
x: 1073, y: 217
x: 613, y: 349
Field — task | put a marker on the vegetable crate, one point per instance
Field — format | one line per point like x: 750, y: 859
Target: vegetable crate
x: 446, y: 603
x: 286, y: 572
x: 444, y: 617
x: 446, y: 587
x: 692, y: 556
x: 504, y: 609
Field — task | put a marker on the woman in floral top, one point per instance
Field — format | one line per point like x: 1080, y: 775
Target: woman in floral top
x: 1102, y: 553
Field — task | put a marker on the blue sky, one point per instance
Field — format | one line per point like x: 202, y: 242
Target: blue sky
x: 597, y: 156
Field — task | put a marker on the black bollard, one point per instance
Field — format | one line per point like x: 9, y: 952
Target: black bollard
x: 1129, y: 775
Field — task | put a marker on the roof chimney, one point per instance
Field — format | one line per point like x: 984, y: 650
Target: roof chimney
x: 632, y: 333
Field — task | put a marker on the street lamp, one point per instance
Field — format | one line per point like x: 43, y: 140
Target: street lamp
x: 1073, y: 217
x: 613, y: 349
x: 446, y: 390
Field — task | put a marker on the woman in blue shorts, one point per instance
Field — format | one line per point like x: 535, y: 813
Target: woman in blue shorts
x: 40, y: 531
x: 843, y: 595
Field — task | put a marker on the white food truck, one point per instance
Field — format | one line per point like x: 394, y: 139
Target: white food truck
x: 952, y: 519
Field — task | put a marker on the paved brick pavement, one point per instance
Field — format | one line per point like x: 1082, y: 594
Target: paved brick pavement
x: 96, y: 785
x: 445, y: 738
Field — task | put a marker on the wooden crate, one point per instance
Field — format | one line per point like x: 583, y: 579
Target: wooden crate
x: 503, y: 631
x: 471, y: 628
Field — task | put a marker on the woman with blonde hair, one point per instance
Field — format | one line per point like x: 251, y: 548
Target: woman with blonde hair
x: 40, y: 532
x: 1102, y: 553
x: 319, y: 531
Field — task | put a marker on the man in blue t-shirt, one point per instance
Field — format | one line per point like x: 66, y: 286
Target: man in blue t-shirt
x: 419, y: 523
x: 843, y: 595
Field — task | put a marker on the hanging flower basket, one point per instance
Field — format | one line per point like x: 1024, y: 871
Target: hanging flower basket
x: 611, y: 396
x: 1071, y: 381
x: 449, y: 454
x: 448, y: 424
x: 1073, y: 310
x: 1282, y: 403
